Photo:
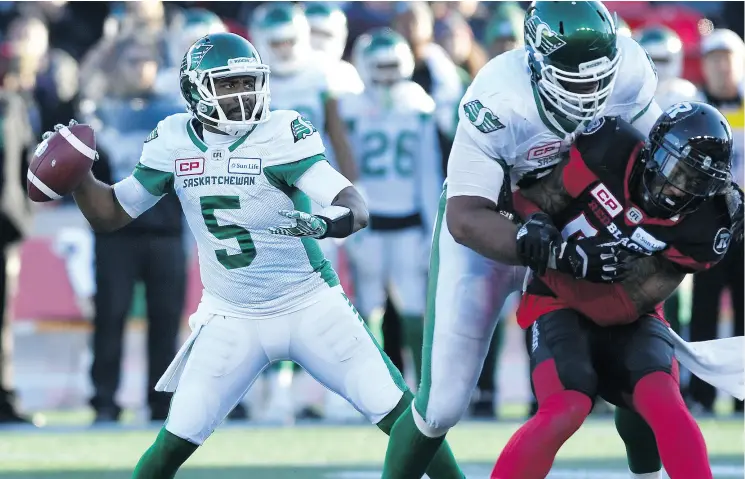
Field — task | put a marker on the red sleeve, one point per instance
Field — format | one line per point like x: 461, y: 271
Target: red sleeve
x: 604, y: 304
x: 577, y: 175
x: 523, y: 206
x: 685, y: 262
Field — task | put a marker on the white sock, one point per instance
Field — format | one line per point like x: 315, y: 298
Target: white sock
x: 649, y: 475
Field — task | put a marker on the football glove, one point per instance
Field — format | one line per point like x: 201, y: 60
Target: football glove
x: 536, y: 241
x: 593, y: 259
x: 306, y: 225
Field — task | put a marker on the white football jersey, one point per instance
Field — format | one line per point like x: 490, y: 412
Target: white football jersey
x: 397, y: 151
x: 674, y: 90
x: 500, y: 111
x: 231, y: 194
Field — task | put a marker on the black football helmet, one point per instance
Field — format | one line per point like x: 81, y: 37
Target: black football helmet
x: 686, y: 160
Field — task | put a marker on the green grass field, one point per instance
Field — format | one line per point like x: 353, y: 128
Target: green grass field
x: 324, y: 452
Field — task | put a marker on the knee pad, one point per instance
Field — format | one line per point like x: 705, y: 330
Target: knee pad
x: 443, y: 411
x: 372, y: 389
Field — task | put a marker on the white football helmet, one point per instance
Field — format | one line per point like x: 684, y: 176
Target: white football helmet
x: 383, y: 58
x: 328, y: 29
x: 281, y: 33
x: 665, y: 49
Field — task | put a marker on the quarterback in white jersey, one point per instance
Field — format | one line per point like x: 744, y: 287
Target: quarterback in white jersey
x: 665, y: 49
x: 245, y: 178
x: 517, y: 120
x: 393, y: 134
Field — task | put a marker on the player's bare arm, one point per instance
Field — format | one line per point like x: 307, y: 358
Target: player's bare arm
x: 337, y: 132
x: 651, y: 280
x: 549, y: 193
x: 475, y: 222
x: 99, y: 205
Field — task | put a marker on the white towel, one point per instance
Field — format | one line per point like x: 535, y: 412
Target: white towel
x: 170, y: 378
x: 720, y: 362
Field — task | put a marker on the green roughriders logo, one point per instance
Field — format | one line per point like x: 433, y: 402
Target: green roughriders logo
x: 481, y: 117
x: 301, y: 128
x: 542, y: 37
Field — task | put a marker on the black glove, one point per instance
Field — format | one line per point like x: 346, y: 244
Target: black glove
x: 733, y: 195
x: 594, y: 259
x: 537, y: 239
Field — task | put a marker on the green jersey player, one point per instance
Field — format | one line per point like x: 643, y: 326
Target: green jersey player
x: 245, y: 178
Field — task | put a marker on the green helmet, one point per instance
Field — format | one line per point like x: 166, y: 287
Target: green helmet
x: 328, y: 28
x: 665, y: 49
x: 281, y: 31
x: 217, y: 56
x: 383, y: 58
x: 573, y: 58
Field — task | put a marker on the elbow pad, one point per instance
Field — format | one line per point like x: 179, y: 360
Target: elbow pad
x: 339, y: 221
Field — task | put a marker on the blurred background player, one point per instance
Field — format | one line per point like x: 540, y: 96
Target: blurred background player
x: 328, y: 36
x: 666, y: 51
x: 394, y: 137
x: 184, y: 29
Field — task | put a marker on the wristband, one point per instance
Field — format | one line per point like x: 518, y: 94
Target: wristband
x: 339, y: 221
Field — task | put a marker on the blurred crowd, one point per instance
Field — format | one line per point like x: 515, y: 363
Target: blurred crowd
x: 115, y: 65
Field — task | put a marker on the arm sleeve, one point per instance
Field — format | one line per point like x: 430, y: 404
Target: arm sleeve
x: 322, y: 183
x: 133, y: 197
x: 430, y: 176
x: 647, y: 118
x: 471, y: 171
x: 151, y: 179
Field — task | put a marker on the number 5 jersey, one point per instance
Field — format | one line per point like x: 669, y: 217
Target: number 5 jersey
x: 231, y: 190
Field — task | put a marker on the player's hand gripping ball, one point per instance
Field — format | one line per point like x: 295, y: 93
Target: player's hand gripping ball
x: 61, y: 161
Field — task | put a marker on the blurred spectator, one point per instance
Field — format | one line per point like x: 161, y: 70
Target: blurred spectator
x: 44, y: 76
x: 504, y: 31
x: 723, y: 55
x: 150, y: 249
x: 433, y: 69
x: 73, y: 26
x: 454, y: 35
x: 16, y: 141
x: 141, y: 23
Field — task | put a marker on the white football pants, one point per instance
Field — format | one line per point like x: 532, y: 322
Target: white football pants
x: 394, y: 259
x: 328, y: 339
x: 466, y: 291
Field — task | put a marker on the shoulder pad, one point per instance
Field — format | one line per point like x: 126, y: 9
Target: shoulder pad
x: 168, y: 137
x: 288, y: 137
x: 637, y: 75
x: 416, y: 98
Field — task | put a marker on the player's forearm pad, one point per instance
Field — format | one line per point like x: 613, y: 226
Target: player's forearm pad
x: 339, y: 221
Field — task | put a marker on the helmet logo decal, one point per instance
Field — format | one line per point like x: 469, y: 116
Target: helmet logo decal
x: 196, y: 55
x: 678, y: 108
x: 721, y: 241
x: 481, y: 117
x: 541, y: 37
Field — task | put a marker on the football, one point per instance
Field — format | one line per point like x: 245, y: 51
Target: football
x: 61, y: 162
